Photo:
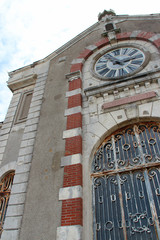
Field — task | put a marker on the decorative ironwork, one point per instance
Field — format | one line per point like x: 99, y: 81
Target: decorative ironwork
x: 126, y: 171
x: 125, y: 148
x: 5, y: 189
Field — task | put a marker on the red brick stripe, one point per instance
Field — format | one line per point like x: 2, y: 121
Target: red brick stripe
x: 71, y: 212
x: 85, y: 54
x: 74, y: 121
x: 76, y: 67
x: 102, y: 42
x: 123, y: 101
x: 145, y: 35
x: 75, y: 84
x: 123, y: 36
x: 75, y: 100
x: 157, y: 43
x: 72, y: 175
x: 73, y: 145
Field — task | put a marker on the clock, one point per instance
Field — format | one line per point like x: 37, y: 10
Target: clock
x: 120, y: 62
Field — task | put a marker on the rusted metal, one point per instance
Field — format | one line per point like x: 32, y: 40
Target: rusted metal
x: 126, y: 174
x: 5, y: 189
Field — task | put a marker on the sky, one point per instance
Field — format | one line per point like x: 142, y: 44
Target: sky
x: 32, y: 29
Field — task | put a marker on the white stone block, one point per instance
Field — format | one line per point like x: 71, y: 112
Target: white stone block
x: 71, y: 159
x: 3, y: 143
x: 1, y: 157
x: 10, y: 235
x: 24, y: 159
x: 91, y: 47
x: 119, y: 116
x: 26, y: 143
x: 12, y: 222
x: 107, y: 120
x: 29, y: 135
x: 19, y: 188
x: 17, y: 199
x: 73, y: 92
x: 38, y: 88
x: 70, y: 192
x: 69, y: 232
x: 131, y: 111
x: 3, y: 137
x: 7, y: 125
x: 72, y: 133
x: 2, y: 149
x: 33, y: 115
x: 26, y: 150
x: 15, y: 210
x: 156, y: 109
x: 92, y: 108
x: 77, y: 60
x: 145, y: 109
x: 20, y: 178
x: 36, y: 103
x: 96, y: 129
x: 23, y: 168
x: 73, y: 110
x: 35, y: 109
x: 37, y: 93
x: 39, y: 97
x: 30, y: 128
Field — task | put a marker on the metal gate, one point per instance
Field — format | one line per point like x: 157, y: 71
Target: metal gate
x: 126, y: 184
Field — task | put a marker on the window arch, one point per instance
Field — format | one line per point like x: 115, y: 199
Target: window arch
x: 126, y: 184
x: 5, y: 190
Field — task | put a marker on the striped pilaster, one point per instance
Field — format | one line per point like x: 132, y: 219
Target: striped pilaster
x: 71, y: 193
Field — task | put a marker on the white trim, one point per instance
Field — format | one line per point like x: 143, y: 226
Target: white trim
x: 71, y: 159
x: 72, y: 132
x: 70, y: 192
x: 78, y: 60
x: 73, y: 110
x: 69, y: 232
x: 74, y: 92
x: 8, y: 167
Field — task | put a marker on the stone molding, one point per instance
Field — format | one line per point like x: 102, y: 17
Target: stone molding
x: 22, y: 82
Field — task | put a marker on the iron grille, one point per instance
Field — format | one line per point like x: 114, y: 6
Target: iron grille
x: 5, y: 189
x: 126, y: 184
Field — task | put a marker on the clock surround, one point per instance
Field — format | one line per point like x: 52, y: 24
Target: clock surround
x: 120, y: 61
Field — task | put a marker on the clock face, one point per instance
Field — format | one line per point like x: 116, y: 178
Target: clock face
x: 119, y: 62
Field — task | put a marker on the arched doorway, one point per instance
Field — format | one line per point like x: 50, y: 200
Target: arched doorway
x: 126, y: 184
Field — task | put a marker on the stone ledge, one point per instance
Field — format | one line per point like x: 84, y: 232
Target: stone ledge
x: 23, y: 82
x: 69, y: 232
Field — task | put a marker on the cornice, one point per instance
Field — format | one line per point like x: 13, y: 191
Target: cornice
x: 22, y: 82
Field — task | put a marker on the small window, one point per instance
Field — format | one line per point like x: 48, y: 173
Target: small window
x: 5, y: 190
x: 109, y: 27
x: 24, y: 105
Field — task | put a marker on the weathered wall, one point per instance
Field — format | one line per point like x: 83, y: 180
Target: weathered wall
x: 42, y: 211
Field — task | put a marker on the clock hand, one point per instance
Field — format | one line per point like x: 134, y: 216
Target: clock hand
x: 129, y: 58
x: 114, y: 60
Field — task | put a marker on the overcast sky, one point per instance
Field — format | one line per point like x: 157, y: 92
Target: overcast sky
x: 32, y: 29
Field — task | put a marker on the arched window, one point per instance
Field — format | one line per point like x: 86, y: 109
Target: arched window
x: 126, y: 184
x: 5, y: 190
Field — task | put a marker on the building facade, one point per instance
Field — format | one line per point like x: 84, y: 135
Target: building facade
x: 80, y: 144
